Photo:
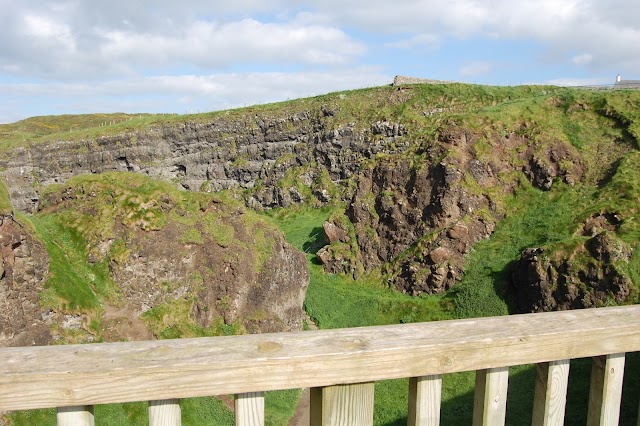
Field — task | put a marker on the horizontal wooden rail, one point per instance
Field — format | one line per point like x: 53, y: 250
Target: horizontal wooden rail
x: 83, y: 375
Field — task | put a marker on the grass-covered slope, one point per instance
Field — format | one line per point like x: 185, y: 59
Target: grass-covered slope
x: 361, y: 107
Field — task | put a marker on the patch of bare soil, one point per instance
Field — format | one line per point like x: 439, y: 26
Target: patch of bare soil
x: 302, y: 415
x: 120, y: 323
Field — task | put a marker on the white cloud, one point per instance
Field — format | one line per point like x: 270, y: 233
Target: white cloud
x: 584, y: 59
x: 58, y: 45
x: 208, y: 44
x: 46, y: 30
x: 476, y: 68
x: 609, y: 30
x: 419, y: 41
x: 118, y: 37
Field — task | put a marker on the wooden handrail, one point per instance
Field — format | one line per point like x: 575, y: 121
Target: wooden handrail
x: 83, y: 375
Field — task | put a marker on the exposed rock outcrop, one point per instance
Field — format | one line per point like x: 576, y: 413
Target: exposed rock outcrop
x: 558, y: 161
x: 220, y: 154
x: 24, y: 264
x: 588, y: 275
x: 334, y: 233
x: 161, y: 263
x: 417, y: 217
x: 170, y: 254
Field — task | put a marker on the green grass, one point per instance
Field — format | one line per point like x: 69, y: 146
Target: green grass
x: 621, y: 196
x: 195, y: 412
x: 5, y: 201
x: 74, y: 284
x: 280, y: 406
x: 222, y: 233
x: 74, y: 127
x: 535, y: 219
x: 172, y: 320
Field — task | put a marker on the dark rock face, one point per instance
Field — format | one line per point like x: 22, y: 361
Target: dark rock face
x: 423, y: 208
x: 24, y: 264
x: 417, y: 217
x: 210, y: 156
x: 583, y: 278
x: 559, y: 161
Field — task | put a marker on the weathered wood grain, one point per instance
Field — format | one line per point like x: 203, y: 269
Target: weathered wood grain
x: 249, y: 408
x: 605, y: 393
x: 550, y: 394
x: 425, y: 396
x: 75, y: 416
x: 56, y: 376
x: 490, y: 398
x: 165, y: 413
x: 342, y: 405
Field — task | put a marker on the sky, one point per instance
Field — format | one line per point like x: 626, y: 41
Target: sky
x: 189, y: 56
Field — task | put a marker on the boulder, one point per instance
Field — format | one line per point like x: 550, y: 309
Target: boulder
x: 334, y: 233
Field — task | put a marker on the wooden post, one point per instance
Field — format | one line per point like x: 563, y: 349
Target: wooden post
x: 605, y: 393
x: 550, y: 396
x: 75, y: 416
x: 249, y: 409
x: 342, y: 405
x: 490, y: 399
x: 425, y: 396
x: 164, y: 413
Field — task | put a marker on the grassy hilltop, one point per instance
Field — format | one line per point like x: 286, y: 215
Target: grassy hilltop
x: 546, y: 168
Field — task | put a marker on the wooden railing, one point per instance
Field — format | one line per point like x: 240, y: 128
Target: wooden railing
x: 339, y: 366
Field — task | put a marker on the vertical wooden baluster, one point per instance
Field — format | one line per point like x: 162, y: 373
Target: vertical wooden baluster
x: 490, y: 399
x: 342, y: 405
x: 550, y: 397
x: 249, y: 409
x: 75, y: 416
x: 605, y: 394
x: 165, y: 413
x: 425, y: 395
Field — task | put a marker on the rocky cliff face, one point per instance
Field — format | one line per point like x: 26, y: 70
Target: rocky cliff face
x: 209, y: 156
x: 418, y: 216
x: 142, y: 259
x: 24, y: 265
